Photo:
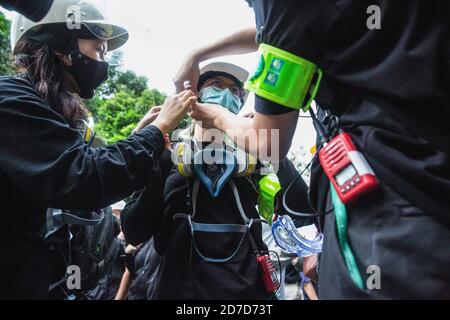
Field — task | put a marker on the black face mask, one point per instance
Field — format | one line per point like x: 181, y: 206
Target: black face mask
x: 88, y: 73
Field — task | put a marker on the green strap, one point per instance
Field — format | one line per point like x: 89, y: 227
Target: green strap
x: 340, y: 213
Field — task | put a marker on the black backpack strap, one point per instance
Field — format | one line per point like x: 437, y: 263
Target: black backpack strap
x: 57, y: 218
x: 245, y: 228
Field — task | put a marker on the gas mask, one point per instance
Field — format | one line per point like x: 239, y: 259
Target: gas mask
x: 212, y: 166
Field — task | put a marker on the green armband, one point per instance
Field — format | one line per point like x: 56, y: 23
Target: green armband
x: 284, y: 78
x: 268, y: 190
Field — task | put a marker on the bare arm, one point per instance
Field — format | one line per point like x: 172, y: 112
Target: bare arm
x: 249, y: 133
x: 240, y: 42
x: 244, y: 131
x: 310, y: 291
x: 122, y: 293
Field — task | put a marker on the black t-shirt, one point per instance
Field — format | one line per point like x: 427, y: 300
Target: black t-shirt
x: 390, y: 87
x: 183, y: 274
x: 45, y: 164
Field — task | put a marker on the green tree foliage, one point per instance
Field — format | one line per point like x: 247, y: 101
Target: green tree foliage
x: 116, y: 116
x: 5, y: 50
x: 122, y: 80
x: 121, y: 102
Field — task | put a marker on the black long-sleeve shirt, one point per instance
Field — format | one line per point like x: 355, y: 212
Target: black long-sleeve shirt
x: 182, y: 273
x: 44, y: 163
x: 390, y: 88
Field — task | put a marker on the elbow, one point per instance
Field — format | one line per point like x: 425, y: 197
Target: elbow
x: 74, y: 200
x: 284, y: 150
x: 134, y: 234
x: 273, y: 150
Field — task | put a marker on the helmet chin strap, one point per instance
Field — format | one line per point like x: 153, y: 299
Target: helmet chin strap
x: 74, y: 46
x: 73, y: 49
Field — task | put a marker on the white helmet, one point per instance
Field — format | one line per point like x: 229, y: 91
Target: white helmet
x: 224, y: 67
x: 68, y: 15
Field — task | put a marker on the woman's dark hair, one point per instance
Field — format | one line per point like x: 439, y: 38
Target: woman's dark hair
x: 46, y: 70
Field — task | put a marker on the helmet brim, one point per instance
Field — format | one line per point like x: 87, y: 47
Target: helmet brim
x: 235, y: 71
x: 115, y: 35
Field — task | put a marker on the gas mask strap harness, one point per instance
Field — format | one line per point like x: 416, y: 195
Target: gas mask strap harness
x: 267, y: 268
x: 218, y: 228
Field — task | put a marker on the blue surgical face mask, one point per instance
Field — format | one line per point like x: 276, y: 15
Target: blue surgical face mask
x: 225, y: 98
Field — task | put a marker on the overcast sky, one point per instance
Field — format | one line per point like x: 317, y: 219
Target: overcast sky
x: 162, y: 32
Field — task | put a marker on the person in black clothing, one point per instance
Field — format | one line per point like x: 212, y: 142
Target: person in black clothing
x: 183, y: 273
x: 142, y: 263
x: 390, y: 89
x: 44, y: 162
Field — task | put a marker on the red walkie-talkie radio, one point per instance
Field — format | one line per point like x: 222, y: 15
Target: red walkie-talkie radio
x: 269, y: 273
x: 347, y: 168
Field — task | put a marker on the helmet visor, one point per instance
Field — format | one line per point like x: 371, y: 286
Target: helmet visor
x: 92, y: 16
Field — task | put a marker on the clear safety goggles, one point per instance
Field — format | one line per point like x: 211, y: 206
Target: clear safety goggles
x: 220, y: 85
